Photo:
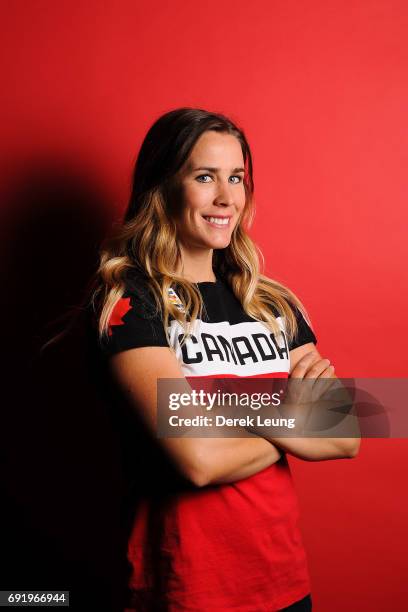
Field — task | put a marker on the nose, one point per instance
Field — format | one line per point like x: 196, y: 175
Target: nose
x: 225, y: 196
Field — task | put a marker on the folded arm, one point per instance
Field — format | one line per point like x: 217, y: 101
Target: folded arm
x: 306, y: 363
x: 203, y: 461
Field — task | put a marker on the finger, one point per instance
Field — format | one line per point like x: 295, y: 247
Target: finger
x: 324, y: 383
x: 314, y: 374
x: 317, y: 368
x: 327, y: 379
x: 304, y: 364
x: 328, y: 372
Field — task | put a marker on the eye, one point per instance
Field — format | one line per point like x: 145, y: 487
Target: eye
x: 234, y: 176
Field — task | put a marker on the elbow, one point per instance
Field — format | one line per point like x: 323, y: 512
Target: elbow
x: 199, y: 479
x: 339, y: 448
x: 197, y: 472
x: 351, y: 449
x: 353, y: 452
x: 197, y: 475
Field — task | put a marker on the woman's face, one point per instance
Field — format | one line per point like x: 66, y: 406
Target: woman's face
x: 212, y: 194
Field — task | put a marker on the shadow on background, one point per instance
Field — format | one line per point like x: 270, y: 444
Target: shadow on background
x: 62, y: 480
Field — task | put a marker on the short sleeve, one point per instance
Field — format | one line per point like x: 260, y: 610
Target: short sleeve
x: 134, y: 322
x: 304, y: 332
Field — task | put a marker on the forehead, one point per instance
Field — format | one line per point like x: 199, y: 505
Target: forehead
x: 216, y: 149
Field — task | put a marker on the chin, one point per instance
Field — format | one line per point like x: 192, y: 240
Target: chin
x: 218, y: 244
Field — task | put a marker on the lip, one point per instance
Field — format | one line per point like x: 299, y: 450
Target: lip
x: 219, y: 216
x: 219, y: 227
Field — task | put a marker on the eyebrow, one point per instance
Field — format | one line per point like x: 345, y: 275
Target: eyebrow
x: 211, y: 169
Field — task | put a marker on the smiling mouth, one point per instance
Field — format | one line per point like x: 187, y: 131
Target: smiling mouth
x: 221, y: 223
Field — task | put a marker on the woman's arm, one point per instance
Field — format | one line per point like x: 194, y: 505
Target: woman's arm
x: 202, y: 460
x: 306, y: 363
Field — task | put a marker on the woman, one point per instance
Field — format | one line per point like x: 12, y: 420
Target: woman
x: 181, y: 296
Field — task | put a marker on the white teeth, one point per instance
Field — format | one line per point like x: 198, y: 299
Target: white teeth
x: 217, y: 221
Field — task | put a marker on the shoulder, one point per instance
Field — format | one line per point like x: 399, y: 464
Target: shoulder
x: 139, y: 294
x: 303, y: 334
x: 135, y: 320
x: 301, y: 331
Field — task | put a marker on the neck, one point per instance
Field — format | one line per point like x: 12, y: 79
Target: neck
x: 196, y: 267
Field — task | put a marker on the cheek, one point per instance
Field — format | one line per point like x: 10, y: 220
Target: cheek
x: 242, y: 204
x: 195, y: 200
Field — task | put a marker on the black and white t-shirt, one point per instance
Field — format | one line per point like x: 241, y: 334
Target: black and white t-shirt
x: 225, y: 342
x: 231, y: 546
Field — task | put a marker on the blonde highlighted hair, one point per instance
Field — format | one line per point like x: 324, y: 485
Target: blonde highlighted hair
x: 146, y: 240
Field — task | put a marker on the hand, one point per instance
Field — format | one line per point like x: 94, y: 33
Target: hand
x: 308, y: 384
x: 312, y: 365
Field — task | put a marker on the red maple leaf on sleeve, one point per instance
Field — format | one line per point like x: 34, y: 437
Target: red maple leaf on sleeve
x: 122, y: 306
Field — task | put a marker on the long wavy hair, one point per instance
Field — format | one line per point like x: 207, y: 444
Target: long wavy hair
x: 146, y: 240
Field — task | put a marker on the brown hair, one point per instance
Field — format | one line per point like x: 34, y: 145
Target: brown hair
x: 146, y: 240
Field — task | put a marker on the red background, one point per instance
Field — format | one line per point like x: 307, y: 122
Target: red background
x: 321, y: 91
